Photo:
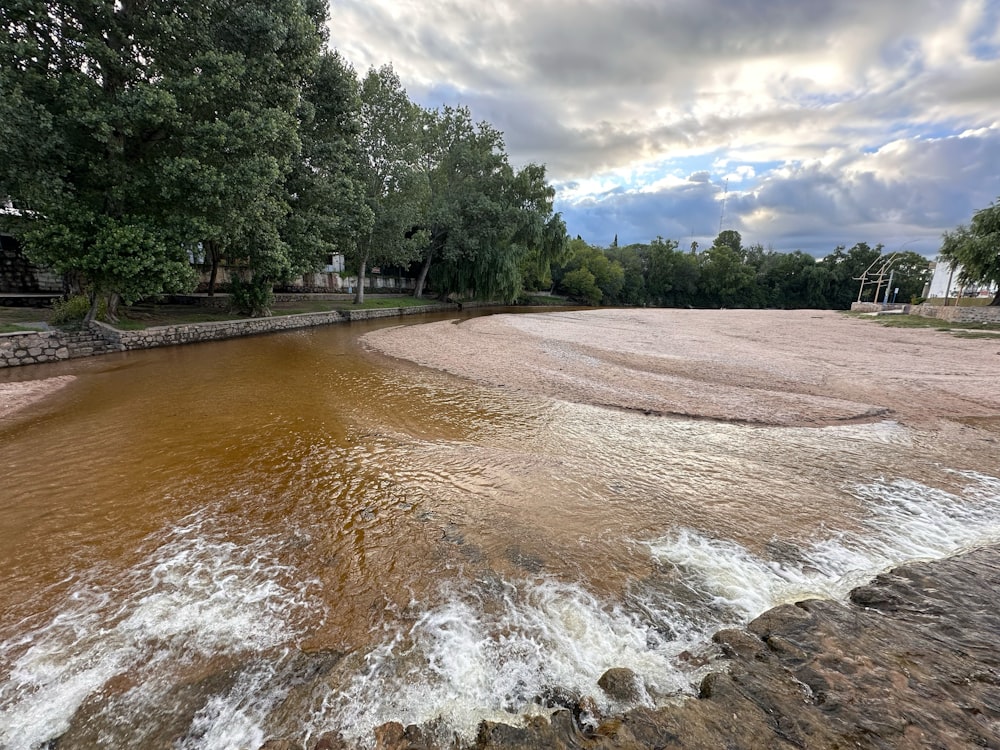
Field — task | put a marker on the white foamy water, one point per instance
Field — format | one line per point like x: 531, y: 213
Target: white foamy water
x: 906, y: 522
x: 485, y: 649
x: 484, y: 654
x: 196, y: 596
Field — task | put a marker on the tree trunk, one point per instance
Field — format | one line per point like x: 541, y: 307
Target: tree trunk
x: 359, y: 295
x: 213, y: 255
x: 95, y: 300
x: 113, y: 300
x: 996, y: 299
x: 418, y: 290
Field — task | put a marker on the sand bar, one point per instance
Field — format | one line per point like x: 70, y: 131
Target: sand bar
x: 20, y: 394
x: 800, y: 367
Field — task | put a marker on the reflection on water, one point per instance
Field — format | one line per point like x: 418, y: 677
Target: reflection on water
x: 218, y: 544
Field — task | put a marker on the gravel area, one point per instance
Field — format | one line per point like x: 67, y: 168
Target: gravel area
x: 799, y: 367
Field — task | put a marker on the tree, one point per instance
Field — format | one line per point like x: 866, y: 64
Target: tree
x: 590, y: 276
x: 241, y: 85
x: 487, y: 224
x: 395, y: 188
x: 140, y: 134
x: 844, y: 271
x: 726, y: 279
x: 326, y: 201
x: 85, y: 116
x: 976, y: 249
x: 581, y: 285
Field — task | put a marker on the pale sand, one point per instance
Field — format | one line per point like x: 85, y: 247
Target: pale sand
x: 799, y: 367
x: 16, y: 396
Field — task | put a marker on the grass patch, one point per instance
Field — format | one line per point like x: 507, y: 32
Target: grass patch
x: 11, y: 314
x: 15, y: 328
x: 966, y: 330
x: 544, y: 300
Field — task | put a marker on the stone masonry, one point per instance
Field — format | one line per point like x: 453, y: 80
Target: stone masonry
x: 37, y: 347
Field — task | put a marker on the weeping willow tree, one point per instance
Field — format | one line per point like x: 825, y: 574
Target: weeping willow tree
x: 484, y: 219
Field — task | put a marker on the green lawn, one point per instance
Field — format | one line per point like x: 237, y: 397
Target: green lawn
x: 14, y: 319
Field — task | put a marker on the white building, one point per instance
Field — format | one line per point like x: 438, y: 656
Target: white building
x: 944, y: 283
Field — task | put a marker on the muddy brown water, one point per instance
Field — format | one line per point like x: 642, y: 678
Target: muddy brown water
x: 213, y: 545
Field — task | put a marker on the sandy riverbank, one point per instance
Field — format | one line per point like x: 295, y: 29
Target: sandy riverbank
x: 20, y: 394
x: 800, y: 367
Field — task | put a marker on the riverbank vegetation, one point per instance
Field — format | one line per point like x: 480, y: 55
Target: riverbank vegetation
x: 140, y: 143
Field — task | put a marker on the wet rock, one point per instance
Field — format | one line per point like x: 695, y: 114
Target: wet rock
x: 587, y: 714
x: 389, y: 736
x: 393, y: 736
x: 282, y: 745
x: 330, y: 741
x: 621, y: 684
x: 736, y: 642
x: 556, y: 733
x: 558, y: 697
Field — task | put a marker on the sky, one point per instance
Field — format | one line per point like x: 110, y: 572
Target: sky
x: 802, y: 124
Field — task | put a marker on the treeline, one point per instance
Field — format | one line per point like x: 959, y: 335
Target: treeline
x: 140, y: 137
x: 727, y: 274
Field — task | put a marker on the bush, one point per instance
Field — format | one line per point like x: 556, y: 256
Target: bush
x: 252, y: 297
x: 74, y: 309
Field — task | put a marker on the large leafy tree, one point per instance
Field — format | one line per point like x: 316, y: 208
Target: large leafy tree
x: 327, y: 207
x: 85, y: 121
x: 241, y: 88
x: 395, y: 187
x: 139, y: 133
x: 727, y: 280
x: 976, y: 248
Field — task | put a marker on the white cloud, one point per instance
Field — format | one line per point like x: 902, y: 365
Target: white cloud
x: 840, y: 117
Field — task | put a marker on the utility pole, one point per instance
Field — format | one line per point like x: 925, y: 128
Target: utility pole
x: 888, y: 287
x: 725, y: 195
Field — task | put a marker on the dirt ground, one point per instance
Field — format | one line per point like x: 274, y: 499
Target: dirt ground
x: 798, y: 368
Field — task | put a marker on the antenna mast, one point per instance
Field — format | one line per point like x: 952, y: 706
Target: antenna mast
x: 725, y: 196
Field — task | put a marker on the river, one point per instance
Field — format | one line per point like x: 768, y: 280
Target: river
x: 214, y: 545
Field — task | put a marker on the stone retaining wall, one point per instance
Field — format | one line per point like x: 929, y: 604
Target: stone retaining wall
x: 874, y: 307
x: 980, y: 314
x: 951, y: 314
x: 36, y: 347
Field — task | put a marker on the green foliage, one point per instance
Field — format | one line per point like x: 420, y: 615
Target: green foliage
x: 251, y: 297
x: 489, y: 227
x: 976, y: 248
x: 133, y: 132
x: 72, y: 310
x: 581, y: 286
x: 326, y: 202
x: 601, y: 273
x: 393, y: 186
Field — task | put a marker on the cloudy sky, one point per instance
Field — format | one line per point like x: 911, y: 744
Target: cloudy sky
x: 803, y: 124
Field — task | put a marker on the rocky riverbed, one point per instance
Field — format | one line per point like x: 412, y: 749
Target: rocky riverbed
x: 910, y: 661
